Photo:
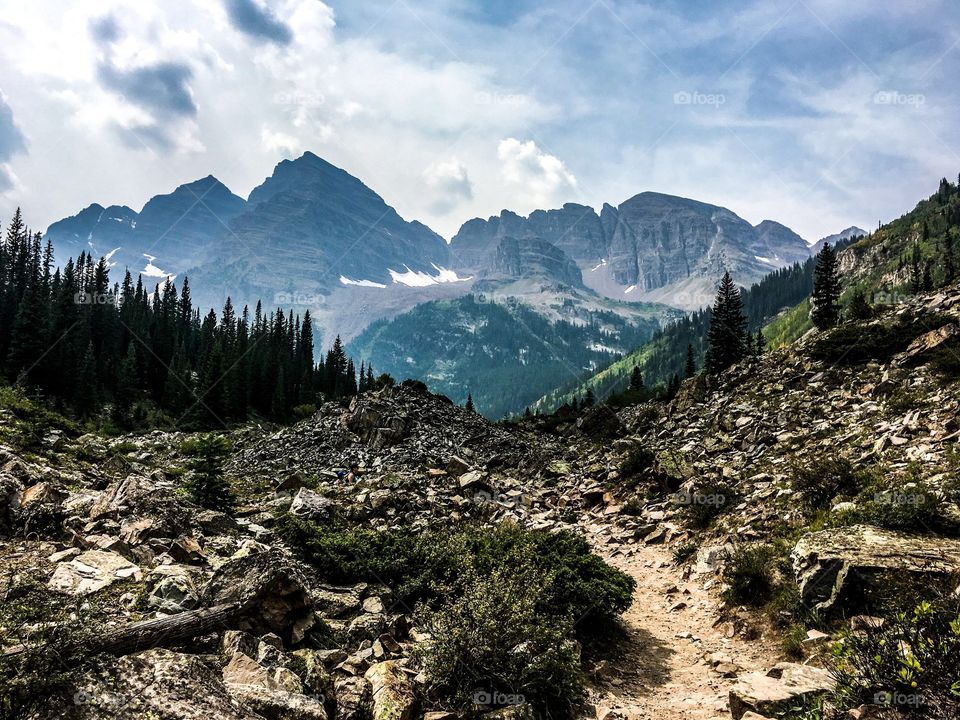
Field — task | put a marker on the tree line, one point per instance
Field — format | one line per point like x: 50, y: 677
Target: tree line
x: 148, y: 355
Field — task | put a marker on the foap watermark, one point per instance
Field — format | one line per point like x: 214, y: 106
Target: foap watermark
x: 899, y: 498
x: 896, y: 699
x: 891, y: 298
x: 496, y: 98
x: 511, y: 500
x: 495, y: 698
x: 296, y: 297
x: 895, y: 97
x: 693, y: 498
x: 299, y: 99
x: 698, y: 98
x: 107, y: 298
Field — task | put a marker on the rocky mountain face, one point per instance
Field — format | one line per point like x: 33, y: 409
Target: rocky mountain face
x: 530, y: 258
x: 311, y: 236
x: 850, y: 232
x: 311, y: 223
x: 651, y: 247
x: 176, y: 230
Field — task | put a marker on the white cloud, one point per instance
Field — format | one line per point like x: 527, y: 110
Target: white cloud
x: 449, y: 185
x: 280, y: 143
x: 539, y: 178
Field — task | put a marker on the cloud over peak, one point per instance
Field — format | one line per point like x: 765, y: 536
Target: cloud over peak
x: 257, y: 21
x: 12, y: 142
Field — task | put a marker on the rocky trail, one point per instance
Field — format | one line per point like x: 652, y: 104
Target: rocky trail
x: 679, y: 659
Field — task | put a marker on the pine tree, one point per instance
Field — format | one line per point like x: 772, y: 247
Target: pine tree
x: 916, y: 273
x: 469, y: 405
x: 728, y: 328
x: 949, y: 261
x: 825, y: 308
x: 859, y: 308
x: 207, y: 485
x: 589, y: 400
x: 636, y: 379
x: 690, y: 368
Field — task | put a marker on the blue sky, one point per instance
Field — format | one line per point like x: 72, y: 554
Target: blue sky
x: 816, y: 113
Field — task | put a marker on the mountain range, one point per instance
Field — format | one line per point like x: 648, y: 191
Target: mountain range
x: 312, y: 236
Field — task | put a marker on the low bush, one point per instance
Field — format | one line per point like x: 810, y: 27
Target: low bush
x: 684, y: 552
x: 913, y: 509
x: 494, y: 639
x: 822, y: 479
x: 52, y: 633
x: 506, y: 605
x: 858, y: 343
x: 749, y: 575
x: 911, y: 663
x: 431, y: 565
x: 637, y: 459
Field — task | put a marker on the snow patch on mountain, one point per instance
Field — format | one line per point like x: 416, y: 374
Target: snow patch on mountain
x: 361, y: 283
x: 414, y: 278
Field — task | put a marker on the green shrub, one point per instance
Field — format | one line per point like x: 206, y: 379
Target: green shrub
x: 493, y: 638
x: 911, y: 663
x: 431, y: 565
x: 684, y: 552
x: 53, y: 633
x: 915, y: 507
x: 821, y: 479
x: 206, y: 484
x: 749, y: 575
x: 858, y: 343
x: 637, y: 459
x: 506, y: 605
x: 301, y: 412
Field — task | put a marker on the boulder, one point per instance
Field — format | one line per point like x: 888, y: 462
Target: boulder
x: 157, y: 684
x: 173, y: 591
x: 311, y: 505
x: 271, y: 693
x: 391, y: 691
x: 353, y: 697
x: 929, y: 342
x: 10, y: 489
x: 775, y: 691
x: 91, y: 571
x: 849, y: 565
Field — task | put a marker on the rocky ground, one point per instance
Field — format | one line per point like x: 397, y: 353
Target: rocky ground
x: 147, y: 563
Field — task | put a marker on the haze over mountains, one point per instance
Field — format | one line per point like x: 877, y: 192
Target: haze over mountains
x: 312, y: 236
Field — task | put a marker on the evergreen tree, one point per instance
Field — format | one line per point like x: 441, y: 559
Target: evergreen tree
x: 949, y: 261
x: 916, y: 273
x: 690, y: 368
x: 825, y: 309
x: 589, y: 399
x: 926, y: 282
x: 636, y: 379
x: 728, y: 332
x: 469, y: 405
x: 207, y: 485
x: 859, y: 308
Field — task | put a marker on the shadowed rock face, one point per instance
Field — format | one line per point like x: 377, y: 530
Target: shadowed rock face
x: 320, y: 222
x: 649, y: 241
x: 532, y: 258
x: 179, y: 228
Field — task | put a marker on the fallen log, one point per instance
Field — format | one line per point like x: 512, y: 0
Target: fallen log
x: 157, y: 632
